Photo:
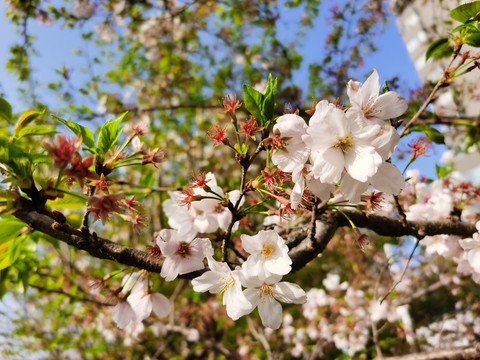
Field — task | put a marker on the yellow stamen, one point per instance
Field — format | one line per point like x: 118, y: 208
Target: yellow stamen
x: 344, y: 143
x: 267, y: 250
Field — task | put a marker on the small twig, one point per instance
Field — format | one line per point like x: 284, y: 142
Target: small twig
x: 440, y: 82
x: 375, y: 339
x: 259, y: 337
x: 400, y: 210
x: 403, y: 272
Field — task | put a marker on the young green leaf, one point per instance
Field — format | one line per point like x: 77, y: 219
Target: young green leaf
x: 253, y: 101
x: 433, y: 134
x: 26, y: 118
x: 32, y: 130
x: 466, y: 11
x: 79, y: 130
x: 5, y: 110
x: 437, y: 49
x: 443, y: 171
x: 109, y: 134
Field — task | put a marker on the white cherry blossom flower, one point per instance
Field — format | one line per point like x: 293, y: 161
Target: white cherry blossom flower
x: 374, y: 107
x: 266, y: 294
x: 268, y: 254
x: 341, y: 141
x: 290, y: 152
x: 220, y: 279
x: 181, y: 256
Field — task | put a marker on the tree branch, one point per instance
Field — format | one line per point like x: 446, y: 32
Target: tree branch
x: 453, y: 353
x: 308, y: 249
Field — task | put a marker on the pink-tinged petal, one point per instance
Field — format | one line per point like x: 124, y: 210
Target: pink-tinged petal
x: 270, y: 313
x: 329, y: 165
x: 388, y: 179
x: 352, y: 189
x: 362, y: 162
x: 129, y: 281
x: 168, y: 241
x: 170, y: 269
x: 236, y: 302
x: 123, y: 314
x: 388, y: 106
x: 290, y: 293
x: 319, y: 189
x: 251, y: 244
x: 160, y: 304
x: 141, y: 304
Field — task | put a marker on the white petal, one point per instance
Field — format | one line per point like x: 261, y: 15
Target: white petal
x: 388, y: 179
x: 270, y: 313
x: 160, y: 304
x: 362, y: 163
x: 236, y: 303
x: 289, y: 293
x: 352, y: 189
x: 329, y: 165
x: 208, y: 281
x: 321, y: 190
x: 251, y: 244
x: 141, y: 304
x: 389, y: 105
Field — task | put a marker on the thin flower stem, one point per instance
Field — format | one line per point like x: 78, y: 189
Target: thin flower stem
x: 440, y: 82
x: 403, y: 272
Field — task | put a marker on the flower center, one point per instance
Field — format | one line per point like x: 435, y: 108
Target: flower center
x: 344, y: 143
x: 183, y: 249
x: 267, y: 250
x: 266, y: 291
x: 227, y: 282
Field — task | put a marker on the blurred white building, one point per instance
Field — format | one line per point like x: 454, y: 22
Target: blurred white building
x: 420, y: 22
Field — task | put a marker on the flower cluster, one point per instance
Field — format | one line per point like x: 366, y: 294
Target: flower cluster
x: 350, y: 147
x: 140, y: 301
x: 260, y: 274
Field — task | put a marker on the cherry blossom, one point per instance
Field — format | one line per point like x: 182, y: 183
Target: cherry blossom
x: 341, y: 141
x: 290, y: 151
x: 220, y: 279
x: 374, y: 107
x: 181, y: 256
x: 268, y: 254
x: 266, y: 294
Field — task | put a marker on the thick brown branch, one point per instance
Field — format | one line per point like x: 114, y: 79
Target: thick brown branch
x: 453, y: 353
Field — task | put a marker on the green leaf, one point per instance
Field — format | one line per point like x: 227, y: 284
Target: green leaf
x: 261, y: 105
x: 33, y: 130
x: 79, y: 130
x: 5, y: 110
x: 433, y: 134
x: 268, y: 106
x: 443, y: 171
x: 253, y: 101
x: 26, y: 118
x: 109, y: 134
x: 437, y: 49
x: 10, y: 229
x: 466, y: 12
